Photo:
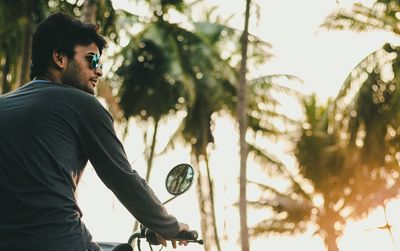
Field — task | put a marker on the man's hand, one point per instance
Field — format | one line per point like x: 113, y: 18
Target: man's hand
x: 182, y: 227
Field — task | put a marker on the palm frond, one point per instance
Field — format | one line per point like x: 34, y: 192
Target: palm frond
x: 265, y: 188
x: 360, y: 18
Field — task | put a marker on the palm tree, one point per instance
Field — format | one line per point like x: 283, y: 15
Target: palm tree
x: 167, y: 54
x: 148, y: 89
x: 292, y: 206
x: 196, y: 129
x: 320, y: 160
x: 371, y: 115
x: 242, y: 118
x: 347, y: 149
x: 211, y: 98
x: 199, y: 63
x: 169, y: 68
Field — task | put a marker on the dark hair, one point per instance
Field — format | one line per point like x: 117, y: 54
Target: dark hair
x: 62, y: 33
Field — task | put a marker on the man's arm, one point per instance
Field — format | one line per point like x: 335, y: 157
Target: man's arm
x: 107, y: 155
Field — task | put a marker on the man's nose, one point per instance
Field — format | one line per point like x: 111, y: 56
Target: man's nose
x: 99, y: 72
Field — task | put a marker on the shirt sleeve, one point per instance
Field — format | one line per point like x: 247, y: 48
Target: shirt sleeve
x: 107, y: 155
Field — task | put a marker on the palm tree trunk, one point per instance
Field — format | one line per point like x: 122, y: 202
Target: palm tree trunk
x: 26, y: 62
x: 5, y: 71
x: 152, y: 147
x: 202, y: 203
x: 330, y: 240
x: 327, y: 223
x: 242, y: 117
x: 212, y: 204
x: 149, y: 162
x: 89, y: 12
x: 24, y: 59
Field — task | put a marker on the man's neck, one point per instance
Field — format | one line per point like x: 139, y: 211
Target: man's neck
x: 48, y: 77
x: 42, y: 78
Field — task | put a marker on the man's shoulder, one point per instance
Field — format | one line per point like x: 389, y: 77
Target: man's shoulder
x: 69, y: 90
x: 73, y: 94
x: 54, y: 95
x: 86, y: 101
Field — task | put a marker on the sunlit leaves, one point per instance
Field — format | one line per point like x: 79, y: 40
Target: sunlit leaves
x: 382, y: 15
x: 349, y: 149
x: 366, y: 110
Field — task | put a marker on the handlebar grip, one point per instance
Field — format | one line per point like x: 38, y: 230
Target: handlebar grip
x: 190, y: 235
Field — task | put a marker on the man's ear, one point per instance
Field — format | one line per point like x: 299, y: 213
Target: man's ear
x: 59, y: 59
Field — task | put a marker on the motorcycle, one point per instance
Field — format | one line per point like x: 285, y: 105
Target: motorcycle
x: 177, y: 182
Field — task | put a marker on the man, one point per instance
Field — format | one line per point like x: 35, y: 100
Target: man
x: 49, y: 129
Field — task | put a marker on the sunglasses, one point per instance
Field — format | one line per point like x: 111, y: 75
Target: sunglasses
x: 94, y: 60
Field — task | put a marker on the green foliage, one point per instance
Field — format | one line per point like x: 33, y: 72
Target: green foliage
x: 15, y: 24
x: 291, y: 206
x: 374, y: 126
x: 191, y: 61
x: 319, y: 155
x: 349, y: 149
x: 178, y: 4
x: 264, y: 100
x: 147, y: 81
x: 382, y: 15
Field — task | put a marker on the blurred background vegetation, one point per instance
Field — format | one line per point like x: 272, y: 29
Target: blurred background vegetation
x: 165, y: 64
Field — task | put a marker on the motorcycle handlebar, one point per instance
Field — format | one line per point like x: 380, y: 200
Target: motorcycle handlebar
x: 190, y: 236
x: 151, y: 238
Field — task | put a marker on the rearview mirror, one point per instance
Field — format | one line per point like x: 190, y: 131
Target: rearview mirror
x: 179, y: 179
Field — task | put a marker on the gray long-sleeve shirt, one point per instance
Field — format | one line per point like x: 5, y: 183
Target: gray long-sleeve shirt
x: 48, y: 132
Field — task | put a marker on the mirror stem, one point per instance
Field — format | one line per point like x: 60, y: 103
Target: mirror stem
x: 165, y: 202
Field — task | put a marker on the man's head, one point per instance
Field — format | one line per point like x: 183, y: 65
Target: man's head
x: 68, y: 50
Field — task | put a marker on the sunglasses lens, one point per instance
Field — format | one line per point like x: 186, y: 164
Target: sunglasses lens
x: 95, y: 61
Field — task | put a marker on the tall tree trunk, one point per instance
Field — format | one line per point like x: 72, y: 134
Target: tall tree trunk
x: 152, y: 147
x: 242, y: 117
x: 24, y: 59
x: 330, y: 240
x: 89, y: 12
x: 205, y: 193
x: 212, y: 204
x: 26, y: 62
x: 327, y: 222
x: 149, y: 162
x: 6, y: 86
x: 204, y: 219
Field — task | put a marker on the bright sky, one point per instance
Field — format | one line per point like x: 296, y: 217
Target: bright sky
x: 322, y: 59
